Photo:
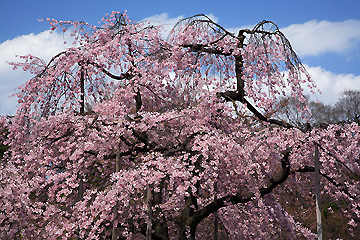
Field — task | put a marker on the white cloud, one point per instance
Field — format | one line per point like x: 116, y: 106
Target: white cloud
x: 331, y: 85
x: 314, y: 37
x: 44, y: 45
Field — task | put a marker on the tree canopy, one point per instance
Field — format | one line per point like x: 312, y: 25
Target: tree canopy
x: 128, y: 135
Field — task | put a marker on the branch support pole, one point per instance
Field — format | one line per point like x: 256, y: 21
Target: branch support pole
x: 150, y: 213
x: 216, y: 220
x: 317, y: 193
x: 114, y: 234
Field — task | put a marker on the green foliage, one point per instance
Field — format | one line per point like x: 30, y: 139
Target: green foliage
x: 3, y: 149
x: 329, y: 208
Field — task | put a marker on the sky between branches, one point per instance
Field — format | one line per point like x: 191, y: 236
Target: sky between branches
x: 325, y: 33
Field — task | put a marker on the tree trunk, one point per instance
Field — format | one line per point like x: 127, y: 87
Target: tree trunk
x: 240, y: 84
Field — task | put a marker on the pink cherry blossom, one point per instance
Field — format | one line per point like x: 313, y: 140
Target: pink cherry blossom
x: 189, y: 119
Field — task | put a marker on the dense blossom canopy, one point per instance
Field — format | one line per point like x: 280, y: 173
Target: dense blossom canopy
x: 127, y: 134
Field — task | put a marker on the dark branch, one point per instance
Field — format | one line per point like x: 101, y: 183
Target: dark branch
x: 138, y: 100
x: 237, y: 96
x: 126, y: 75
x: 207, y: 49
x: 341, y: 187
x: 276, y: 180
x: 65, y: 135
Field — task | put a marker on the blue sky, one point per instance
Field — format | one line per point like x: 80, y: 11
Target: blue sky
x: 326, y: 34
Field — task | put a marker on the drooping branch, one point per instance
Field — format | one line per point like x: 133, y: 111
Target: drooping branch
x: 263, y: 32
x: 239, y: 94
x: 269, y: 28
x: 203, y: 21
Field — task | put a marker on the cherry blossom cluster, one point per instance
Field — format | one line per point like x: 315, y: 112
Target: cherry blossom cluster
x: 126, y: 128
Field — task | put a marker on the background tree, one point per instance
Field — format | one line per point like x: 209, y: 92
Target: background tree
x: 188, y: 131
x: 345, y: 110
x: 348, y: 106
